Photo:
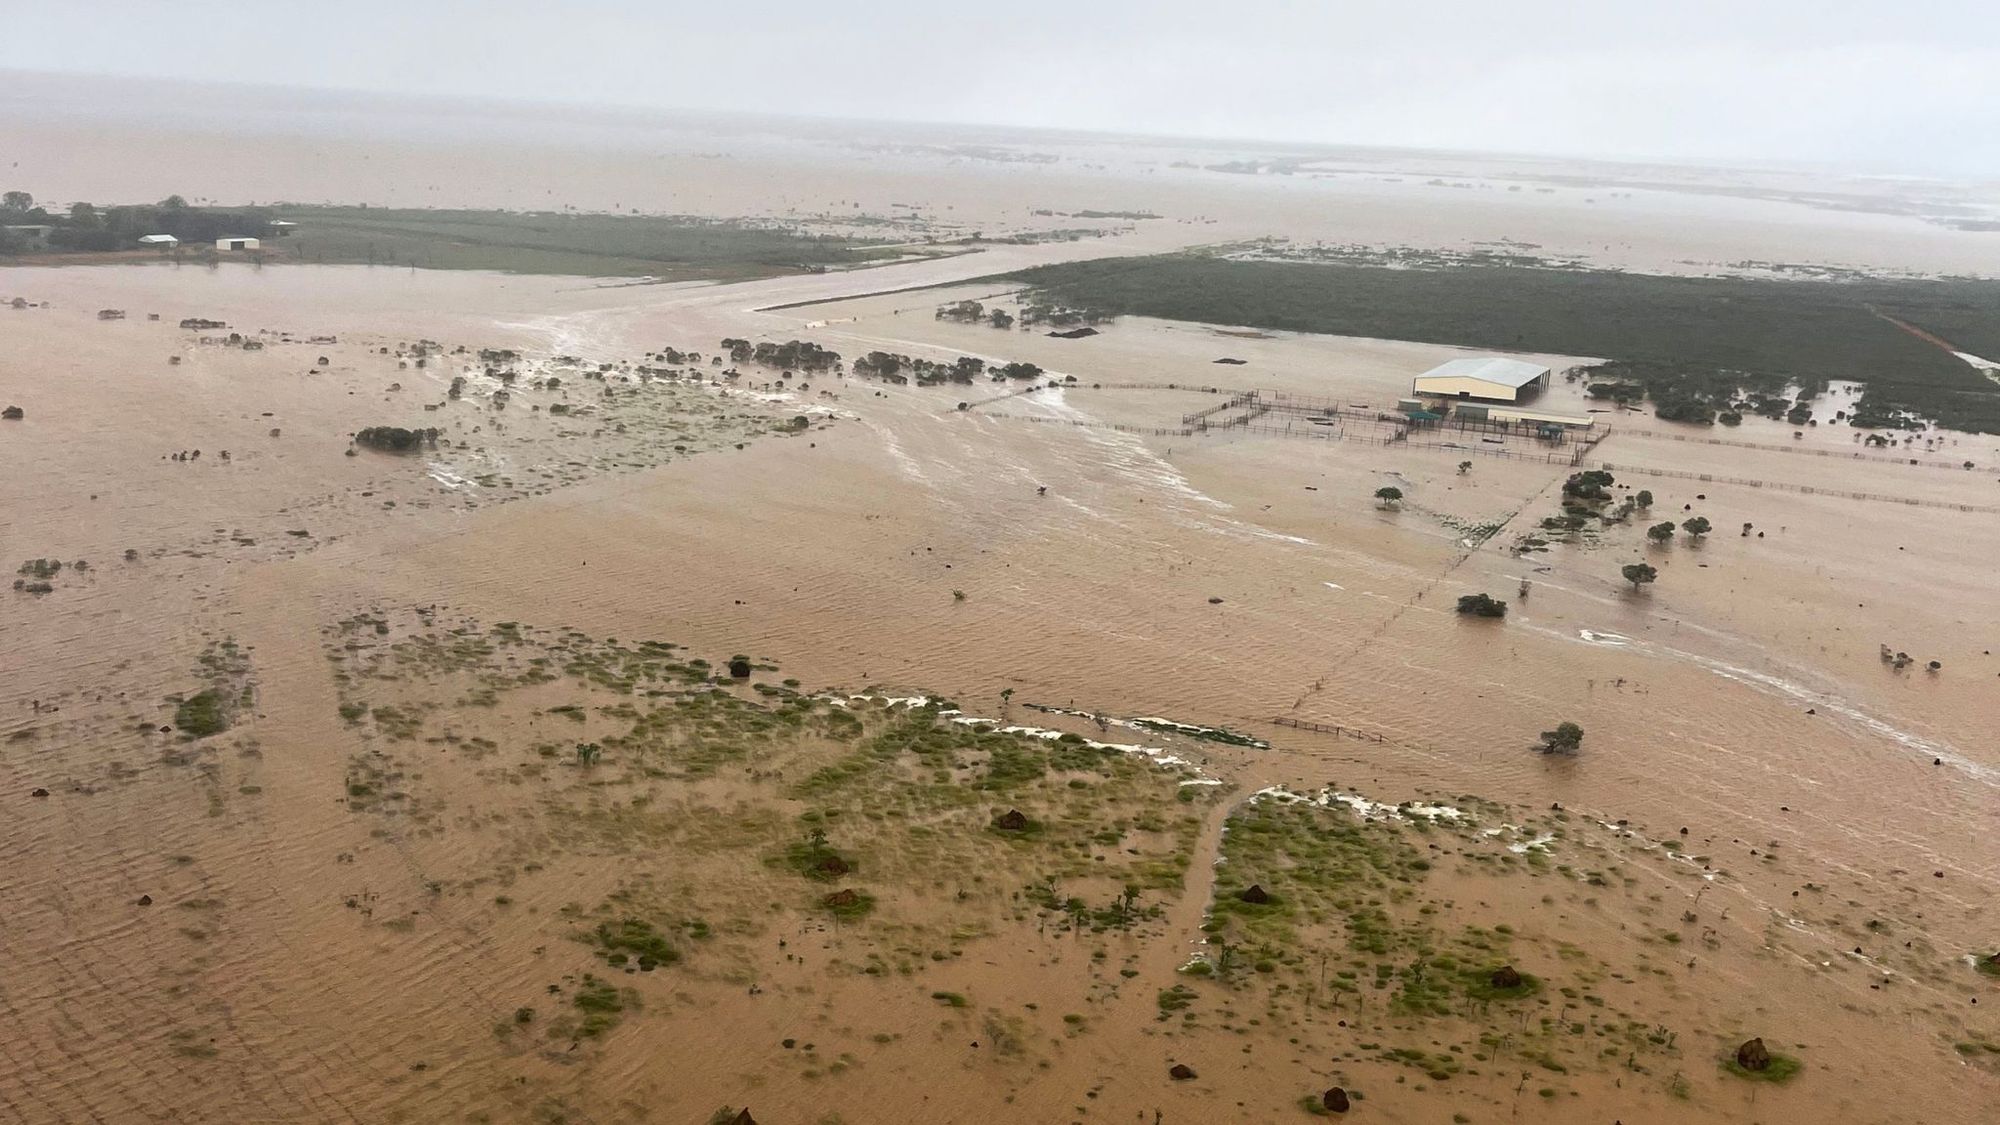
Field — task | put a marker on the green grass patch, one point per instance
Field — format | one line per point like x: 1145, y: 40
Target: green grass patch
x: 634, y: 938
x: 1783, y: 1068
x: 202, y: 714
x: 602, y: 1006
x: 671, y: 247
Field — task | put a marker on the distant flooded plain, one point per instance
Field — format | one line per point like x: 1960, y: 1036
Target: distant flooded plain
x: 492, y: 830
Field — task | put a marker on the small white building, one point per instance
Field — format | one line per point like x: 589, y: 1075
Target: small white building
x: 1483, y: 377
x: 236, y: 244
x: 281, y: 228
x: 160, y: 240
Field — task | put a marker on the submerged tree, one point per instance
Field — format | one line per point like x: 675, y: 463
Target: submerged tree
x: 1696, y: 527
x: 1661, y: 532
x: 1389, y: 495
x: 1639, y: 574
x: 1567, y: 738
x: 1482, y: 605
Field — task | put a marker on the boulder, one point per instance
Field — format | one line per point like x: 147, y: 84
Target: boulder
x: 145, y: 900
x: 1013, y: 820
x: 1753, y: 1056
x: 1334, y: 1100
x: 1180, y: 1072
x: 13, y: 414
x: 38, y: 792
x: 1254, y: 895
x: 1505, y: 977
x: 743, y: 1118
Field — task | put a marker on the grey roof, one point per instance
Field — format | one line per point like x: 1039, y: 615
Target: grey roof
x: 1491, y: 369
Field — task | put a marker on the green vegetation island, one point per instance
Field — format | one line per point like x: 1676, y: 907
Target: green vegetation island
x: 1699, y: 348
x: 666, y: 247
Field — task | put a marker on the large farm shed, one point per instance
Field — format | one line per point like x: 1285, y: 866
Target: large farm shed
x: 1483, y: 377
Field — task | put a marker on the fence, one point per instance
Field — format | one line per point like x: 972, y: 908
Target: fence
x: 1800, y: 451
x: 1329, y: 728
x: 1805, y: 489
x: 1327, y: 419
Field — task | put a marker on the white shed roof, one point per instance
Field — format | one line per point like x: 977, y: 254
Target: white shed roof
x: 157, y: 238
x: 1491, y: 369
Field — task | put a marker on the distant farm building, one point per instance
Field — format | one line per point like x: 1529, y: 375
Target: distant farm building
x: 236, y: 244
x: 33, y: 236
x: 160, y: 240
x: 1490, y: 378
x: 282, y: 227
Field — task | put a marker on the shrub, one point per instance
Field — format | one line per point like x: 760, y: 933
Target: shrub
x: 395, y: 439
x: 1482, y: 605
x: 1567, y: 738
x: 201, y: 715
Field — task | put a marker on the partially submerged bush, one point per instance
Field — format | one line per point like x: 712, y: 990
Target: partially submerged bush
x: 1567, y: 738
x: 396, y: 439
x: 202, y: 714
x: 1482, y: 605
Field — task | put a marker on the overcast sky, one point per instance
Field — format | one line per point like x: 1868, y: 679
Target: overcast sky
x: 1911, y: 86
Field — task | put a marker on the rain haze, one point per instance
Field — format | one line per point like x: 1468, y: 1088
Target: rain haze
x: 1909, y: 87
x: 794, y: 564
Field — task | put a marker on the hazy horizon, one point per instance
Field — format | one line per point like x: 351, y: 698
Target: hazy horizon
x: 1852, y: 87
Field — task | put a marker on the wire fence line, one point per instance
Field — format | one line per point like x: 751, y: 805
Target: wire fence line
x: 1799, y: 451
x: 1328, y: 728
x: 1805, y: 489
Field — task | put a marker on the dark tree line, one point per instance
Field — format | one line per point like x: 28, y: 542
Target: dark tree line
x: 88, y: 227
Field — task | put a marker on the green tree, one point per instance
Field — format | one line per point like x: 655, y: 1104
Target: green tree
x: 1661, y: 532
x: 1482, y: 605
x: 1638, y: 574
x: 17, y: 201
x: 1567, y: 738
x: 1696, y: 527
x: 83, y: 215
x: 1644, y: 499
x: 1389, y: 495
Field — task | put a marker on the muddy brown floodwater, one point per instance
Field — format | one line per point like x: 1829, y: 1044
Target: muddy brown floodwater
x: 345, y: 787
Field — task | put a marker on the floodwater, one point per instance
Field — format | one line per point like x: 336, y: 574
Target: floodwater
x: 1843, y: 811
